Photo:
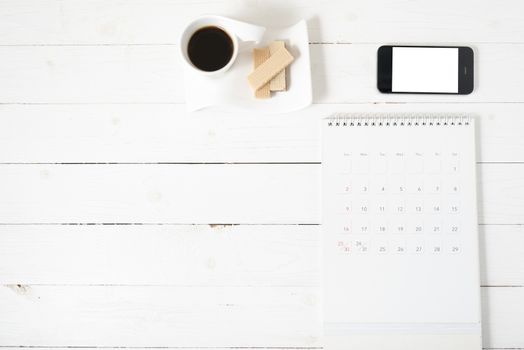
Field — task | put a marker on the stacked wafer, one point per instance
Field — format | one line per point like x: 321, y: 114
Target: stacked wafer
x: 269, y: 69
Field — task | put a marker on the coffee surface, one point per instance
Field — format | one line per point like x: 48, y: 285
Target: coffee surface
x: 210, y: 49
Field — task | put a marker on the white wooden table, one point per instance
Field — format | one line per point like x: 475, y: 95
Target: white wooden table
x: 126, y: 222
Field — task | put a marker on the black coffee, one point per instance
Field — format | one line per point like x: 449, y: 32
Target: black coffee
x: 210, y: 49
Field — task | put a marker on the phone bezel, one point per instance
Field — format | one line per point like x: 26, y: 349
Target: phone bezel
x: 465, y: 71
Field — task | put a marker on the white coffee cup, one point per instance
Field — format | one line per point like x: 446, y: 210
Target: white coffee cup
x: 240, y: 34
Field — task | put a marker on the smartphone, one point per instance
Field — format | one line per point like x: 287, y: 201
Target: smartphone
x: 425, y: 70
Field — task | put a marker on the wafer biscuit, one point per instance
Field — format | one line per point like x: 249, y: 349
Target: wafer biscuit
x: 278, y: 83
x: 260, y: 55
x: 270, y: 68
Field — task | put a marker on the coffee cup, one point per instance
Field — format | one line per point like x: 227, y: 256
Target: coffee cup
x: 210, y: 44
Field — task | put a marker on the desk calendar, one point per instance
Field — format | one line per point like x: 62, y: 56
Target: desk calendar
x: 400, y: 245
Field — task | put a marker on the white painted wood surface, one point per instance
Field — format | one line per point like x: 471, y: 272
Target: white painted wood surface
x: 157, y: 22
x: 103, y: 246
x: 201, y: 255
x: 203, y: 193
x: 160, y: 316
x: 88, y: 133
x: 343, y: 73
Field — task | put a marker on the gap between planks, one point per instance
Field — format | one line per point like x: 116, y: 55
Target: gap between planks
x: 182, y: 347
x: 203, y: 163
x: 186, y: 224
x: 163, y: 347
x: 171, y: 285
x: 363, y: 103
x: 310, y: 43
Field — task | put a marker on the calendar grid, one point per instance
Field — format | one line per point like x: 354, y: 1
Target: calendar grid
x: 398, y: 202
x: 399, y: 219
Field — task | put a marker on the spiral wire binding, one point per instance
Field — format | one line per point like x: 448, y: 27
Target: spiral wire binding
x: 398, y: 119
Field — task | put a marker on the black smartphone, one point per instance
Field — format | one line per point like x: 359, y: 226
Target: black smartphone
x: 425, y: 69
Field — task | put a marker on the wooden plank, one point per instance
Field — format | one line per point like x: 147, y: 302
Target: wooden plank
x: 184, y: 255
x: 499, y: 195
x: 501, y: 255
x: 201, y: 255
x: 66, y: 74
x: 151, y: 74
x: 217, y: 193
x: 502, y: 312
x: 166, y: 133
x: 175, y: 316
x: 159, y: 316
x: 200, y: 193
x: 161, y: 21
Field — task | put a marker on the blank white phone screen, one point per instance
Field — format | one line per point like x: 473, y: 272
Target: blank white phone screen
x: 424, y: 69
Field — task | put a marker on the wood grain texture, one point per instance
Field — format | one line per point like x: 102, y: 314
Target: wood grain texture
x: 177, y: 316
x: 161, y: 21
x: 218, y: 193
x: 98, y: 81
x: 166, y: 133
x: 204, y: 193
x: 151, y: 74
x: 159, y: 316
x: 202, y: 255
x: 183, y: 255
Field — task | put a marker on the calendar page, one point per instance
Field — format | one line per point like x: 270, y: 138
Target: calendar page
x: 400, y: 245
